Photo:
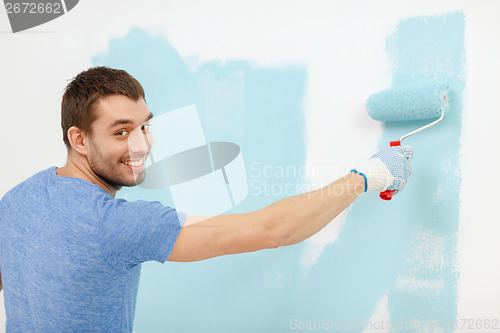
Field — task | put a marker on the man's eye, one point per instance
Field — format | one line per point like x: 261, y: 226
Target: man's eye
x: 122, y: 133
x: 145, y: 127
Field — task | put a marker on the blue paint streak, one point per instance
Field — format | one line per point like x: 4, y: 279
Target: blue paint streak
x: 259, y: 109
x: 424, y: 50
x: 429, y: 50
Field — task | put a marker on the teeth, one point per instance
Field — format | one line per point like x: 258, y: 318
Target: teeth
x: 136, y: 163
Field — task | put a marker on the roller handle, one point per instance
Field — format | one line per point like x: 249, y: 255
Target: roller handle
x: 387, y: 194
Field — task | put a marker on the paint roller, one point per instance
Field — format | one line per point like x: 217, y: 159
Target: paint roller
x: 408, y: 104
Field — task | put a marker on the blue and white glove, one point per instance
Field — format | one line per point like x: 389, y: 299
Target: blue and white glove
x: 388, y: 169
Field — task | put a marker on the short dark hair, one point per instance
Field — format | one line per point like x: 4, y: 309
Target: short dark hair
x: 86, y: 89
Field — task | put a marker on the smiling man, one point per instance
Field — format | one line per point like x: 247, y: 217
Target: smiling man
x: 71, y: 254
x: 113, y: 152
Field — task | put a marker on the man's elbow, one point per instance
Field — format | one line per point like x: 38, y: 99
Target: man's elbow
x: 272, y: 229
x: 273, y: 241
x: 274, y: 235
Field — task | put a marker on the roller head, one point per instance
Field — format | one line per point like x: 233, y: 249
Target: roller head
x: 405, y: 104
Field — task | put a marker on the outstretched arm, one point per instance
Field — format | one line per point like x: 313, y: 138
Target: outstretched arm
x: 294, y: 219
x: 285, y: 222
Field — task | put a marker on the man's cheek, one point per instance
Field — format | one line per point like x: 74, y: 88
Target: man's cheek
x: 150, y: 140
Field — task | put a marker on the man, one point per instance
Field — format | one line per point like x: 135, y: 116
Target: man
x: 71, y: 254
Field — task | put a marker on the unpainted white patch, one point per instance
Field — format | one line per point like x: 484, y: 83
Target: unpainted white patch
x: 427, y: 254
x: 423, y: 287
x: 427, y: 251
x: 314, y: 246
x: 379, y: 318
x: 439, y: 195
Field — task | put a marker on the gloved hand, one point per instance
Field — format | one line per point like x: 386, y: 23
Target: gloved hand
x: 388, y: 169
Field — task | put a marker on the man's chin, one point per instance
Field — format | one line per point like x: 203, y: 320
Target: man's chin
x: 138, y: 179
x: 119, y: 183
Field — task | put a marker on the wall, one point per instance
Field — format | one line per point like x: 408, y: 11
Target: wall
x: 287, y: 81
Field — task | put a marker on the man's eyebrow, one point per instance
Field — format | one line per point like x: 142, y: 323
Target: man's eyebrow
x: 150, y: 116
x: 128, y: 121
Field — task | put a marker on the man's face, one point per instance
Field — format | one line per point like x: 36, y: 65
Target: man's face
x: 120, y: 140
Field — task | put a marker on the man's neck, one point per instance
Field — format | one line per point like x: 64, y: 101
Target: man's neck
x: 80, y: 169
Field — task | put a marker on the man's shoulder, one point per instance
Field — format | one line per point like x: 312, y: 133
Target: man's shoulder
x: 22, y: 188
x: 41, y: 176
x: 35, y: 179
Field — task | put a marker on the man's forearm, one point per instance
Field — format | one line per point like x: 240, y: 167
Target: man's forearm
x: 297, y: 218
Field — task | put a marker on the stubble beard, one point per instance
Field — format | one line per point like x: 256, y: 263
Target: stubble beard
x: 110, y: 172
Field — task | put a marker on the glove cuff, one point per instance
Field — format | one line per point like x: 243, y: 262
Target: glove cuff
x: 377, y: 175
x: 364, y: 176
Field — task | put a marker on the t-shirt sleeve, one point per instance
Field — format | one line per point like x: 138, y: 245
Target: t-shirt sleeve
x: 2, y: 204
x: 134, y: 232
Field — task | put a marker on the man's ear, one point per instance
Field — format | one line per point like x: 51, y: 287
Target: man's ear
x: 76, y: 138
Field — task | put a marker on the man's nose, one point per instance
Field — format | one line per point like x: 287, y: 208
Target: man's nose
x: 139, y: 142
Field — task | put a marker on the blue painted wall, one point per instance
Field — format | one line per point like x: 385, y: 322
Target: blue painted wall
x: 382, y: 248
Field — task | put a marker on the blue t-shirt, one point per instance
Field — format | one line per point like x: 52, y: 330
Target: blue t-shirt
x: 70, y: 254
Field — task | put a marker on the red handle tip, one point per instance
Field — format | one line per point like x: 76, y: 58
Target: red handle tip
x: 386, y: 195
x: 395, y: 143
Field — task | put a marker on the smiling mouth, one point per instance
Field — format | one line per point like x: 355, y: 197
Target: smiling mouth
x: 136, y: 163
